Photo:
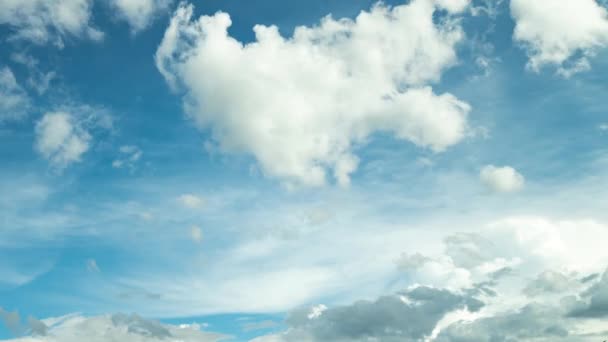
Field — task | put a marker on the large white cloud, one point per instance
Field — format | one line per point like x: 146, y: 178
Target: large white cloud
x: 140, y: 13
x: 556, y: 32
x: 300, y: 104
x: 14, y: 101
x: 49, y: 21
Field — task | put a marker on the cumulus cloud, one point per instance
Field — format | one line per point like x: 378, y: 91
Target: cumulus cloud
x: 116, y: 327
x: 60, y: 140
x: 140, y: 13
x: 501, y: 179
x: 49, y: 21
x: 594, y: 301
x: 561, y: 33
x: 62, y: 137
x: 408, y: 316
x: 531, y: 323
x: 300, y: 104
x: 550, y: 281
x: 14, y: 101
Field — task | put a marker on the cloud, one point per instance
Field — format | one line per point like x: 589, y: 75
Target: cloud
x: 196, y: 233
x: 116, y: 327
x: 14, y: 101
x: 92, y: 266
x: 129, y: 156
x: 191, y: 201
x: 531, y: 323
x: 140, y: 13
x: 503, y: 179
x: 300, y: 104
x: 412, y: 261
x: 63, y: 136
x: 560, y: 33
x: 49, y: 21
x: 594, y: 302
x: 60, y: 139
x: 38, y: 80
x: 11, y: 320
x: 550, y: 281
x: 408, y: 316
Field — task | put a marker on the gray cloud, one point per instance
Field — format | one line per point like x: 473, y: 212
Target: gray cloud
x: 407, y: 316
x: 550, y: 282
x: 533, y: 322
x: 594, y: 301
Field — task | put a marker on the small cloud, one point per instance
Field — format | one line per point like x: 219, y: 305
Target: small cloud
x: 14, y: 102
x: 316, y: 311
x: 196, y: 234
x: 60, y: 139
x: 92, y: 266
x: 65, y: 135
x: 191, y: 201
x: 501, y: 179
x: 603, y: 126
x: 129, y: 156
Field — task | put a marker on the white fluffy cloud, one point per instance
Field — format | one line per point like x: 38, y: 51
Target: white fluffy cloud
x: 501, y: 179
x: 140, y: 13
x: 65, y: 135
x: 13, y: 99
x: 562, y: 33
x: 110, y: 328
x: 300, y: 104
x: 49, y: 21
x: 60, y: 139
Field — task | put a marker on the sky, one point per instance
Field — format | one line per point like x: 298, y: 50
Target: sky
x: 321, y: 170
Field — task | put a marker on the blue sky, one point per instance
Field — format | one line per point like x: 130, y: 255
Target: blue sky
x: 189, y: 163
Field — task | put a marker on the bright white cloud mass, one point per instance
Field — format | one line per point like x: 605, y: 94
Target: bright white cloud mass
x: 303, y: 171
x: 556, y: 32
x: 301, y: 104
